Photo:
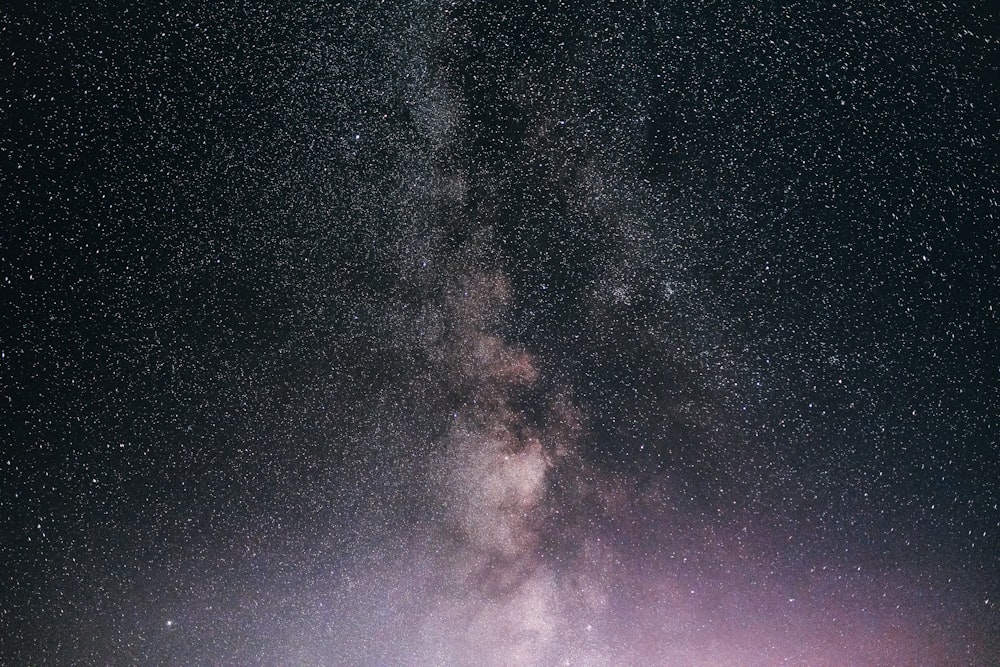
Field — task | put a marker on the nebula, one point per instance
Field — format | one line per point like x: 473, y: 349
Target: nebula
x: 495, y: 600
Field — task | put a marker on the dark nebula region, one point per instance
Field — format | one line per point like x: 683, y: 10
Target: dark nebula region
x: 484, y: 333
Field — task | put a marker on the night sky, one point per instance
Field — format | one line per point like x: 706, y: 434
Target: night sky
x: 455, y: 333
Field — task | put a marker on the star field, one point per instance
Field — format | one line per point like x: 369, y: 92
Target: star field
x: 454, y: 333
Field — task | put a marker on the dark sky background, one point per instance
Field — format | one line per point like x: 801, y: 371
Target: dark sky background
x: 458, y: 333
